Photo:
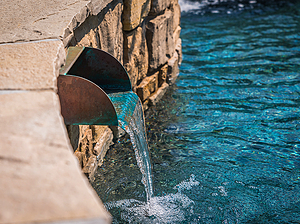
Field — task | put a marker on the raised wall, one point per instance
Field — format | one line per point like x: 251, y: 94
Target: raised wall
x: 41, y: 179
x: 144, y: 36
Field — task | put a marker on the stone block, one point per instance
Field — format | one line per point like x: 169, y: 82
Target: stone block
x: 102, y: 31
x: 79, y: 156
x: 103, y: 137
x: 173, y: 69
x: 176, y: 35
x: 147, y: 86
x: 90, y: 39
x: 158, y: 6
x: 90, y: 167
x: 154, y: 98
x: 178, y: 49
x: 162, y: 76
x: 99, y: 5
x: 117, y: 132
x: 135, y: 55
x: 145, y: 105
x: 41, y: 180
x: 134, y: 12
x: 40, y: 20
x: 175, y: 8
x: 32, y: 65
x: 94, y: 141
x: 160, y: 40
x: 110, y: 30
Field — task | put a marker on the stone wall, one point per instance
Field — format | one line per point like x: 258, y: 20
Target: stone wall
x: 41, y: 179
x: 144, y: 36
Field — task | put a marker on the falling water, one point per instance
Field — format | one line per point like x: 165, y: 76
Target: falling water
x: 137, y: 132
x: 131, y: 119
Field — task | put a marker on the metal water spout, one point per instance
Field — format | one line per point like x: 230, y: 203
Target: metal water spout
x: 94, y: 89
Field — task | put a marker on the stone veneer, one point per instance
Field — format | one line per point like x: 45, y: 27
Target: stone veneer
x: 41, y: 179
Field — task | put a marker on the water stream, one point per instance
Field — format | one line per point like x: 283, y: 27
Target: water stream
x: 224, y: 141
x: 131, y: 119
x: 137, y: 132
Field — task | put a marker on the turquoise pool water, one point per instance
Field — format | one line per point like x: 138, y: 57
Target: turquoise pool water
x: 224, y: 142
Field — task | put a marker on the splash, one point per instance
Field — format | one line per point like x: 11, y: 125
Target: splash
x: 171, y: 208
x: 186, y: 5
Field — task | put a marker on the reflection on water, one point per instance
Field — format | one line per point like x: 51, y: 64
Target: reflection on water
x: 224, y: 142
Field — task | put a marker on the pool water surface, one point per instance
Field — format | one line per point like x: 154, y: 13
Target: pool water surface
x: 224, y: 142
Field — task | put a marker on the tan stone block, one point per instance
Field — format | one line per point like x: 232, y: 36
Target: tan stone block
x: 135, y: 55
x: 176, y: 35
x: 103, y: 31
x: 178, y: 49
x: 79, y: 156
x: 110, y: 30
x: 158, y: 6
x: 41, y: 180
x: 103, y: 137
x: 90, y: 39
x: 32, y: 65
x: 134, y: 12
x: 175, y: 8
x: 160, y: 40
x: 99, y: 5
x: 157, y: 96
x: 147, y: 86
x: 94, y: 141
x: 173, y: 69
x: 117, y: 132
x: 90, y: 167
x: 40, y: 20
x: 162, y: 77
x: 145, y: 105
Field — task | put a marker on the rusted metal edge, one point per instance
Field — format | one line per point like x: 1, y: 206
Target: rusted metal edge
x: 84, y: 103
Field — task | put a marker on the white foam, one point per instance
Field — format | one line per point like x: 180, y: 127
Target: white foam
x: 172, y: 208
x: 187, y: 185
x: 186, y: 5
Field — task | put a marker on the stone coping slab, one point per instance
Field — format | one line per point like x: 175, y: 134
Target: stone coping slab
x: 31, y: 65
x: 40, y: 179
x: 28, y: 20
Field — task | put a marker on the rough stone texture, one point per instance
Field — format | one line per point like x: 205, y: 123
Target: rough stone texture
x: 32, y: 65
x: 147, y: 86
x: 173, y: 69
x: 134, y: 12
x: 110, y: 30
x: 36, y: 20
x: 99, y: 5
x: 145, y: 105
x: 176, y: 35
x: 103, y: 137
x: 154, y: 98
x: 136, y: 54
x: 89, y: 38
x: 178, y: 49
x: 175, y: 8
x: 158, y: 6
x: 92, y: 142
x: 42, y: 181
x: 162, y: 76
x: 160, y: 40
x: 103, y: 31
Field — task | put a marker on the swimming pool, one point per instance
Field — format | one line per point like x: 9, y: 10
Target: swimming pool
x: 224, y: 142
